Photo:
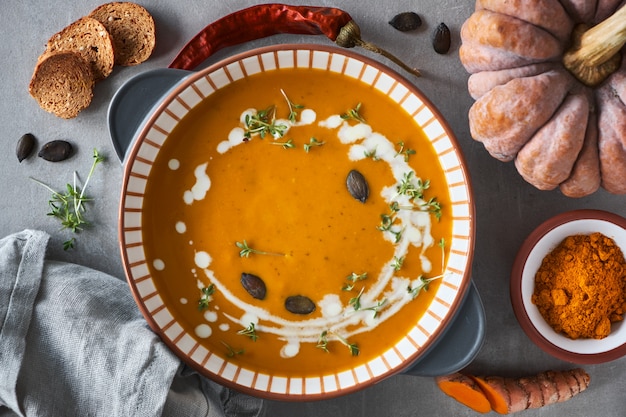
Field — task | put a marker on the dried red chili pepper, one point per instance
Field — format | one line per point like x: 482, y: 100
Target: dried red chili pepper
x: 265, y: 20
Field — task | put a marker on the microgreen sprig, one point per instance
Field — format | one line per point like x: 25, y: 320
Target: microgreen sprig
x: 371, y: 154
x: 247, y: 250
x: 432, y: 206
x: 69, y: 207
x: 424, y: 282
x: 352, y: 279
x: 410, y: 188
x: 377, y: 307
x: 249, y: 331
x: 262, y: 123
x: 414, y: 189
x: 207, y: 297
x: 353, y: 114
x: 421, y: 285
x: 442, y: 245
x: 292, y: 107
x: 312, y: 143
x: 406, y: 152
x: 322, y: 342
x: 354, y: 349
x: 397, y: 263
x: 355, y: 302
x: 230, y: 351
x: 285, y: 145
x: 387, y: 222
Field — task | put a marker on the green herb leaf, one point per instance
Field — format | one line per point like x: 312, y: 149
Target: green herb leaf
x: 353, y: 114
x: 352, y: 279
x: 442, y: 245
x: 322, y: 342
x: 406, y: 152
x: 292, y: 107
x: 249, y: 331
x: 387, y: 223
x: 354, y: 349
x: 376, y: 308
x: 285, y: 145
x: 247, y: 250
x: 355, y: 302
x: 69, y: 244
x: 230, y: 351
x: 397, y: 263
x: 422, y: 285
x: 207, y: 297
x: 371, y: 154
x: 68, y: 207
x: 263, y: 122
x: 433, y: 206
x: 312, y: 142
x: 414, y: 188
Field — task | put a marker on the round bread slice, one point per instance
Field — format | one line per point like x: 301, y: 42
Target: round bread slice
x: 90, y: 38
x: 132, y: 29
x: 62, y: 83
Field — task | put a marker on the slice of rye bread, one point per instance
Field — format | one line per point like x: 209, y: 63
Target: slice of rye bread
x: 91, y: 39
x: 132, y: 29
x: 62, y: 83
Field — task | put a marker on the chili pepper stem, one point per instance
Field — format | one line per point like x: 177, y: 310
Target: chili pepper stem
x: 350, y: 36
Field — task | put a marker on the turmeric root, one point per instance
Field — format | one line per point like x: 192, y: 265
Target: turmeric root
x: 465, y: 390
x: 510, y: 395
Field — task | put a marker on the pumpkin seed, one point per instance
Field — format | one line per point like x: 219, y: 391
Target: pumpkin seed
x: 25, y: 146
x: 56, y: 151
x: 406, y: 21
x: 441, y: 39
x: 357, y: 186
x: 299, y: 304
x: 254, y: 285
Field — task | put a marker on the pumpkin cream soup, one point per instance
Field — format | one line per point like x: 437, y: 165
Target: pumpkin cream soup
x: 296, y: 220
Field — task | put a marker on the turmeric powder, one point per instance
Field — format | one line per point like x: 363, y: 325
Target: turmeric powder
x: 580, y: 287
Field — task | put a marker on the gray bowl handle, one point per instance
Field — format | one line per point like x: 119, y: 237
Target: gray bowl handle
x: 134, y: 101
x: 459, y: 345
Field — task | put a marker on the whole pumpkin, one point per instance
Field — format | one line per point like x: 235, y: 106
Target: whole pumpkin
x: 549, y: 80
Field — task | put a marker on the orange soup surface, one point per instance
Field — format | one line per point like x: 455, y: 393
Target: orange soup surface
x: 253, y: 181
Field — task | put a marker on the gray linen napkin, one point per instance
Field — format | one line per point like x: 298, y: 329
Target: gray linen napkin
x: 73, y: 343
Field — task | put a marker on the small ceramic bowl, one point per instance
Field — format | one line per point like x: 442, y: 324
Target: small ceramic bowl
x: 532, y: 252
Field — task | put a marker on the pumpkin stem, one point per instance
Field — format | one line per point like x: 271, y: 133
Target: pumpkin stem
x: 594, y: 53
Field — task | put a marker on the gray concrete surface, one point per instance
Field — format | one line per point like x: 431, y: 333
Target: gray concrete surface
x: 507, y: 208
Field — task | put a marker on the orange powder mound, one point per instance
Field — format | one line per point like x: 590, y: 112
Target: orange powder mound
x: 580, y: 286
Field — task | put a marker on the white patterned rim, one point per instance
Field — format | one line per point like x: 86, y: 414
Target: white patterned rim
x: 137, y: 174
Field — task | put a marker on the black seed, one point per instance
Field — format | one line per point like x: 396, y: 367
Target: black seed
x: 406, y: 21
x: 357, y: 185
x: 299, y: 304
x: 441, y: 39
x: 56, y: 150
x: 25, y: 146
x: 254, y: 285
